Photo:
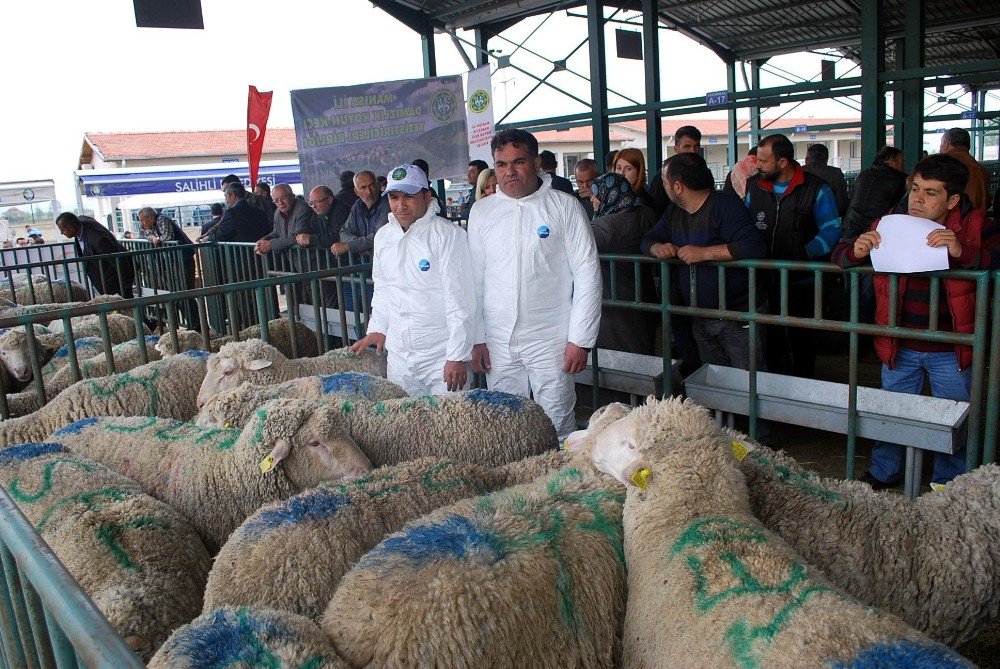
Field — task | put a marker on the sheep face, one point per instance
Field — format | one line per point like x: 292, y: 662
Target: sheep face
x: 14, y: 354
x: 320, y: 450
x: 187, y: 340
x: 612, y: 441
x: 225, y: 373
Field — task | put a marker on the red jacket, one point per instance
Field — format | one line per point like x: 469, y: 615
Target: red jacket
x: 960, y: 293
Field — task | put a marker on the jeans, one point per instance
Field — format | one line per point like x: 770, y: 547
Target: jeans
x: 727, y: 343
x: 948, y: 382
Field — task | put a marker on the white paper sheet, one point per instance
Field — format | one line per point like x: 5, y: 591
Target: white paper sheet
x: 904, y: 246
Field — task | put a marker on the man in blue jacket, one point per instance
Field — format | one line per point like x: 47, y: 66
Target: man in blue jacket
x: 702, y: 224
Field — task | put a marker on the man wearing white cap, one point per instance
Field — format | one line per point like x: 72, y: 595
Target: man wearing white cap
x: 423, y: 305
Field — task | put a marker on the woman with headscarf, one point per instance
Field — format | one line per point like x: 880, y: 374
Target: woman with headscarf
x: 619, y: 224
x: 631, y: 164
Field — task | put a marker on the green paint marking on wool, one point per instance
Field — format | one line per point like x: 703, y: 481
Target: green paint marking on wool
x: 741, y: 637
x: 728, y: 530
x: 108, y: 535
x: 149, y: 422
x: 745, y: 584
x: 371, y: 484
x: 381, y: 409
x: 801, y: 481
x: 122, y: 381
x: 30, y: 498
x: 431, y: 402
x: 346, y: 406
x: 89, y: 499
x: 229, y: 437
x: 261, y: 655
x: 258, y: 430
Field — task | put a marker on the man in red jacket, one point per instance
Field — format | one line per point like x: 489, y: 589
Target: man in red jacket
x: 936, y: 194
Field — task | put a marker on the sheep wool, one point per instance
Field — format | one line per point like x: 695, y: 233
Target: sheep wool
x: 710, y: 586
x: 137, y: 558
x: 934, y: 562
x: 44, y: 290
x: 321, y: 533
x: 247, y: 637
x: 216, y: 478
x: 279, y: 330
x: 528, y: 576
x: 164, y: 388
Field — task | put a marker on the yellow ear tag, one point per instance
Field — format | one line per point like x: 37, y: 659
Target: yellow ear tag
x: 266, y: 464
x: 562, y: 444
x: 227, y: 425
x: 740, y: 450
x: 639, y: 478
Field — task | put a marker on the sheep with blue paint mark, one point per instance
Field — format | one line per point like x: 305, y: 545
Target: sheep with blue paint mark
x: 43, y: 290
x: 217, y: 478
x: 234, y: 407
x: 166, y: 388
x: 137, y: 558
x: 279, y: 331
x: 261, y: 364
x: 246, y: 637
x: 483, y: 427
x: 710, y: 586
x: 529, y: 575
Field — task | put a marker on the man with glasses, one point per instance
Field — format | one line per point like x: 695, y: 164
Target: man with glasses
x: 586, y: 172
x: 331, y: 213
x: 292, y: 218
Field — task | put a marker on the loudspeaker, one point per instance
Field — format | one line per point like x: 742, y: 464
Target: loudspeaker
x: 828, y: 70
x: 629, y: 44
x: 168, y: 14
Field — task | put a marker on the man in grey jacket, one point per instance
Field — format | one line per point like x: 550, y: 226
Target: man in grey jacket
x: 369, y: 213
x: 293, y: 217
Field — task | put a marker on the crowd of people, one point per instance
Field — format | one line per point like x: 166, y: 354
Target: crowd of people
x: 31, y: 236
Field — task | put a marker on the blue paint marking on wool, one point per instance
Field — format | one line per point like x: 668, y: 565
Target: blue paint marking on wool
x: 196, y: 353
x: 453, y: 536
x: 904, y: 654
x: 347, y: 382
x: 151, y: 339
x: 75, y: 427
x: 495, y: 398
x: 29, y: 451
x: 316, y: 506
x: 229, y: 638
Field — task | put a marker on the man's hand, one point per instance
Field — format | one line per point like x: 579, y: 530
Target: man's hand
x: 864, y: 244
x: 340, y: 248
x: 263, y: 246
x: 376, y: 339
x: 663, y: 251
x: 693, y: 254
x: 945, y: 238
x: 575, y: 359
x: 302, y: 239
x: 480, y: 359
x: 455, y: 375
x: 154, y: 240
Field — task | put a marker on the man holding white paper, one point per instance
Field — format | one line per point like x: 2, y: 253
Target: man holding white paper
x: 935, y: 195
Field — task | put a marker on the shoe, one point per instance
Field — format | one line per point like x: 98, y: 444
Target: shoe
x: 874, y: 483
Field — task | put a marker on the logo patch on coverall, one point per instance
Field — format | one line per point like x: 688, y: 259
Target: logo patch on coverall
x: 424, y: 265
x: 543, y: 231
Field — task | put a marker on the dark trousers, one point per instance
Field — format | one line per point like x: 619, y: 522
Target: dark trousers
x: 791, y: 350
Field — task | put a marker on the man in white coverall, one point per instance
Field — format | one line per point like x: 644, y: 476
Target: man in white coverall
x: 423, y: 305
x: 537, y: 281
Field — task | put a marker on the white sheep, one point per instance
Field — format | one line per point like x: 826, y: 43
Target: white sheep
x: 139, y: 561
x: 248, y: 638
x: 710, y: 586
x: 23, y: 310
x: 484, y: 427
x: 261, y: 364
x: 216, y: 478
x: 531, y: 575
x: 164, y: 388
x: 43, y: 290
x: 278, y: 330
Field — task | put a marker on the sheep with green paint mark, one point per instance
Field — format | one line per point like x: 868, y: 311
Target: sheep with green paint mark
x: 138, y: 559
x: 164, y: 388
x: 217, y: 478
x: 531, y: 574
x: 710, y: 586
x: 233, y: 408
x: 247, y: 637
x: 483, y: 427
x: 279, y: 330
x: 261, y: 364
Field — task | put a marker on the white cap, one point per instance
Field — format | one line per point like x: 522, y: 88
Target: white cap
x: 408, y: 179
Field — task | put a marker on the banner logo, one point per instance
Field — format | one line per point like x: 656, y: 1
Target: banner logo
x: 28, y: 194
x: 479, y: 101
x: 443, y: 106
x: 398, y: 174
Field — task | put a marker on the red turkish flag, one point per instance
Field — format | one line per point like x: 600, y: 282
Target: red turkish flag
x: 258, y: 109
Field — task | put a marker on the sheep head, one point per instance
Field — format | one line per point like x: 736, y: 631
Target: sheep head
x: 236, y: 363
x: 612, y: 442
x: 187, y: 340
x: 14, y: 351
x: 311, y: 441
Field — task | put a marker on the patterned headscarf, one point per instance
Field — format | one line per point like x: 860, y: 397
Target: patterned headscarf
x: 614, y: 192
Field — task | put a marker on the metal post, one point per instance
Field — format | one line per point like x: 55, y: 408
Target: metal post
x: 754, y: 138
x: 651, y: 69
x: 872, y: 91
x: 913, y: 89
x: 482, y: 47
x: 598, y: 80
x: 430, y: 70
x: 981, y: 131
x: 731, y: 152
x: 897, y: 103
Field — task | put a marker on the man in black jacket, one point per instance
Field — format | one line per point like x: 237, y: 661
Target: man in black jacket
x: 110, y: 276
x: 240, y: 222
x: 547, y: 159
x: 877, y: 190
x: 331, y: 214
x: 346, y: 195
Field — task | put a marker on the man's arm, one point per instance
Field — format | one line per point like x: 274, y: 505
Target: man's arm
x: 352, y: 233
x: 165, y: 229
x: 828, y: 222
x: 743, y: 240
x: 459, y: 296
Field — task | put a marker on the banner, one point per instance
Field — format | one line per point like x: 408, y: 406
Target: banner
x: 258, y: 109
x: 479, y: 112
x: 26, y: 192
x: 124, y: 182
x: 379, y: 126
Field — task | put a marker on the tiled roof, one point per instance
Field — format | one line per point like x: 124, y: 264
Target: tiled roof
x: 182, y: 144
x: 720, y: 126
x: 579, y: 134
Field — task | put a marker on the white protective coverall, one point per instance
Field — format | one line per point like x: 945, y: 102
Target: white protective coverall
x: 423, y: 302
x: 538, y: 286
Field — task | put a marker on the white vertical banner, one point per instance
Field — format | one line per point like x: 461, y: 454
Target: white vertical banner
x: 479, y: 112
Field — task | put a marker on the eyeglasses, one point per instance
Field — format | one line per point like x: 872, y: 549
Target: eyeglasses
x: 313, y: 203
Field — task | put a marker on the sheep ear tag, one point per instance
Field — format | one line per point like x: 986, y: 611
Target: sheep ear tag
x: 258, y: 364
x: 640, y: 477
x: 741, y: 449
x: 277, y: 454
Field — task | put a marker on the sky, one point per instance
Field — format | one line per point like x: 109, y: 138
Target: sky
x: 74, y: 67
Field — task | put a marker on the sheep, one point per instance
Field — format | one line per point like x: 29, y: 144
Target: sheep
x: 530, y: 574
x: 246, y: 637
x: 710, y: 586
x: 44, y: 290
x: 278, y: 330
x: 483, y: 427
x: 164, y: 388
x: 216, y: 478
x: 261, y: 364
x: 23, y: 310
x: 26, y: 401
x: 321, y: 533
x: 135, y: 557
x: 14, y: 354
x: 933, y: 561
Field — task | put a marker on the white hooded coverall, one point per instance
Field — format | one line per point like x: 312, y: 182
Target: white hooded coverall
x: 538, y: 286
x: 423, y: 301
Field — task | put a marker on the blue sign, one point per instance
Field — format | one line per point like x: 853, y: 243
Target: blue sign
x: 424, y: 265
x: 717, y: 98
x: 801, y: 128
x: 543, y: 231
x: 713, y: 140
x: 180, y: 181
x: 970, y: 115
